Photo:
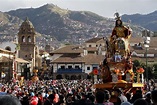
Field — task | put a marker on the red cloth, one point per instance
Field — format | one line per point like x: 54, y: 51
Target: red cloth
x: 34, y: 100
x: 56, y: 99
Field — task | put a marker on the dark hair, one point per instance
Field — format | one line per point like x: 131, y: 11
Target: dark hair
x: 51, y: 96
x: 154, y: 96
x: 118, y: 90
x: 140, y: 101
x: 107, y: 94
x: 9, y: 100
x: 92, y: 98
x: 128, y: 96
x: 139, y: 91
x: 119, y: 25
x: 100, y: 96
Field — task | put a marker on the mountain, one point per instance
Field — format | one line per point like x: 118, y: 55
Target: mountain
x: 148, y: 21
x: 9, y: 25
x: 60, y: 24
x: 66, y: 24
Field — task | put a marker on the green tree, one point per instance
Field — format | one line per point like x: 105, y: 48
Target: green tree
x: 136, y: 64
x: 155, y: 71
x: 152, y: 69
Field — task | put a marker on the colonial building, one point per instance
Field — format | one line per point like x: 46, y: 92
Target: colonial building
x: 139, y: 51
x: 95, y: 46
x: 75, y: 61
x: 6, y: 64
x: 9, y: 65
x: 10, y: 46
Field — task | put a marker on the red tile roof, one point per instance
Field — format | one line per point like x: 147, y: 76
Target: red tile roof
x: 93, y: 59
x: 68, y: 49
x: 93, y: 40
x: 69, y: 59
x: 88, y: 59
x: 5, y: 59
x: 152, y: 44
x: 143, y: 59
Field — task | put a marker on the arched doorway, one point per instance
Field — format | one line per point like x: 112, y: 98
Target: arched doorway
x: 79, y: 77
x: 59, y: 76
x: 73, y: 77
x: 67, y: 77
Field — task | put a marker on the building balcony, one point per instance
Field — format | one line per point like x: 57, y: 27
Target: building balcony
x: 72, y: 70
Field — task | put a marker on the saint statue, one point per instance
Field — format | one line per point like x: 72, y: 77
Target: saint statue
x: 120, y: 31
x: 121, y: 34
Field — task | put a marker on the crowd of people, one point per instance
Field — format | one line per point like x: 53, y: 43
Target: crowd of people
x: 70, y: 92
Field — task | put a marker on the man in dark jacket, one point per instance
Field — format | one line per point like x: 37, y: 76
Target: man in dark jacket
x: 49, y: 100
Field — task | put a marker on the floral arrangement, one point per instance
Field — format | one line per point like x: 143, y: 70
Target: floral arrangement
x: 94, y: 72
x: 129, y: 75
x: 140, y: 70
x: 35, y: 70
x: 116, y: 71
x: 130, y: 72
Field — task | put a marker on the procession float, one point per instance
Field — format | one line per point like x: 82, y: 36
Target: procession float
x: 116, y: 70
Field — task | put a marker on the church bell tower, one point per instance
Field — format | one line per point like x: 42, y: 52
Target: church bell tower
x: 26, y: 40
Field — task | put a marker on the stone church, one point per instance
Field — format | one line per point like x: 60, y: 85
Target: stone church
x: 27, y: 41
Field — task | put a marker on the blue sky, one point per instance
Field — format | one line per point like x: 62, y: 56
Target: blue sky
x: 105, y: 8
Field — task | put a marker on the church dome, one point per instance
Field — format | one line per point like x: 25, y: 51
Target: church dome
x: 26, y: 27
x: 27, y: 23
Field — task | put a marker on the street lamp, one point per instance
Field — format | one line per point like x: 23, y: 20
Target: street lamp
x: 146, y: 35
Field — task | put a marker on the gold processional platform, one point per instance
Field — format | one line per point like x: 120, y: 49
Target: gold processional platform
x: 112, y: 85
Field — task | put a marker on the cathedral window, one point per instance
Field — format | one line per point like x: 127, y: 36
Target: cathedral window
x: 23, y: 39
x: 29, y: 39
